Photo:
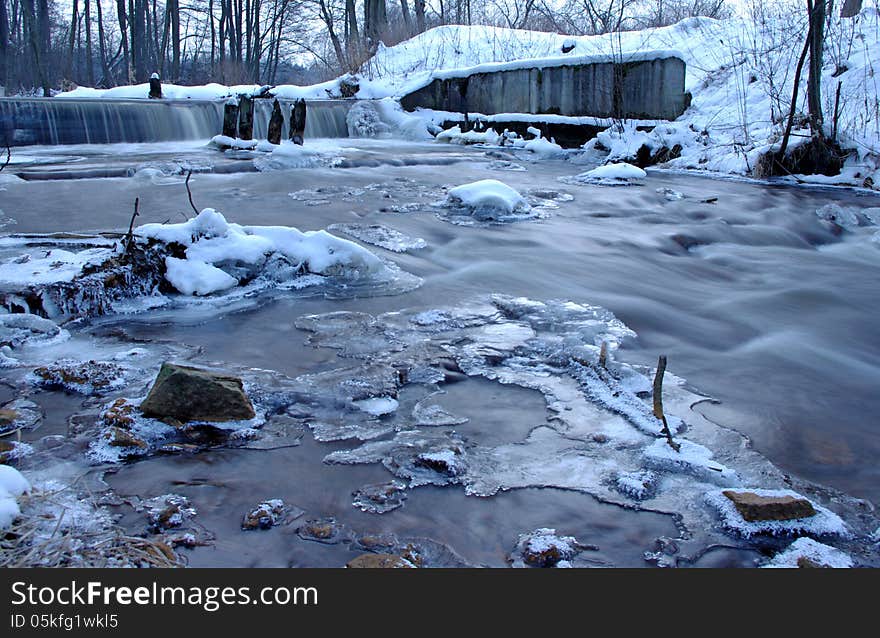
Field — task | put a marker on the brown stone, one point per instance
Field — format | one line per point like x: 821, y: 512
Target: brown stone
x: 119, y: 414
x: 192, y: 394
x: 753, y: 507
x: 123, y: 438
x: 380, y: 561
x: 7, y: 417
x: 806, y: 563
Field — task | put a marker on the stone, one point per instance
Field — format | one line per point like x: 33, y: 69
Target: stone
x: 119, y: 414
x: 193, y: 394
x: 155, y: 87
x: 806, y: 563
x: 753, y: 507
x: 123, y: 438
x: 263, y: 516
x: 349, y: 87
x: 83, y: 377
x: 322, y: 530
x: 379, y: 561
x: 6, y: 449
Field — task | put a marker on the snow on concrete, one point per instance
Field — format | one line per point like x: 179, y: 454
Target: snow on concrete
x: 823, y: 523
x: 815, y: 552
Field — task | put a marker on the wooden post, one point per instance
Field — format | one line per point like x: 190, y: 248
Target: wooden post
x: 155, y: 87
x: 230, y: 118
x: 276, y: 121
x: 298, y: 121
x: 245, y: 117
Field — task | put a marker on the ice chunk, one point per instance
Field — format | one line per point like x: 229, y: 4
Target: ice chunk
x: 195, y: 277
x: 691, y: 458
x: 377, y: 406
x: 382, y: 236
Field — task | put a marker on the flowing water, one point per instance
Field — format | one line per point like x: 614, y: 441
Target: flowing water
x: 756, y: 301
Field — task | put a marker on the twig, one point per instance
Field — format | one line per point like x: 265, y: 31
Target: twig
x: 9, y: 154
x: 836, y: 112
x: 658, y: 402
x: 189, y: 193
x: 129, y: 238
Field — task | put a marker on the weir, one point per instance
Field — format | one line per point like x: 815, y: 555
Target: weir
x: 51, y: 121
x: 648, y: 85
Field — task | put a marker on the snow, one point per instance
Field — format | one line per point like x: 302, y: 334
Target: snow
x: 823, y: 523
x: 211, y: 241
x: 56, y: 265
x: 617, y: 173
x: 543, y: 148
x: 12, y: 485
x: 691, y: 458
x: 814, y: 551
x: 224, y: 141
x: 488, y: 195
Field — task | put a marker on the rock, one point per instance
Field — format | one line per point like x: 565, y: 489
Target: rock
x: 6, y: 449
x: 805, y: 563
x: 380, y: 561
x: 376, y: 542
x: 322, y: 530
x: 769, y: 508
x: 168, y: 511
x: 264, y: 515
x: 192, y: 394
x: 382, y: 498
x: 119, y: 414
x: 123, y: 438
x: 349, y: 87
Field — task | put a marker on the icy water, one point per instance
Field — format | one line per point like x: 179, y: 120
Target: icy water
x: 757, y: 302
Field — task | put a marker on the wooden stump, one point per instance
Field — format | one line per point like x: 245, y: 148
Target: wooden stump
x: 245, y: 117
x: 276, y: 122
x: 155, y: 87
x: 230, y: 119
x: 298, y: 121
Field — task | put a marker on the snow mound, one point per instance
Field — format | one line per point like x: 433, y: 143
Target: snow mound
x: 691, y: 458
x: 813, y: 551
x: 823, y: 523
x: 487, y: 200
x: 455, y: 135
x: 220, y: 255
x: 612, y: 175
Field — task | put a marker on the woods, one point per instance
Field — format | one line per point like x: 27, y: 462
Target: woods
x: 50, y: 45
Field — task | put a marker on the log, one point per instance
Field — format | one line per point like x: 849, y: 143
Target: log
x: 230, y: 119
x: 276, y: 122
x: 245, y: 117
x: 298, y: 121
x: 155, y: 87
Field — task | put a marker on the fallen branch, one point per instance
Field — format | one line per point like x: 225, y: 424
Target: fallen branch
x: 8, y: 157
x: 189, y: 193
x: 658, y: 402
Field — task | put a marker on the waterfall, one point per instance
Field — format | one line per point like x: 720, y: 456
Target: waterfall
x: 49, y: 121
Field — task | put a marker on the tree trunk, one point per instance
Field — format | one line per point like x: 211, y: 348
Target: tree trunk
x: 123, y: 30
x: 407, y: 18
x: 105, y: 68
x: 276, y: 122
x: 850, y: 8
x: 175, y: 42
x: 90, y: 72
x: 814, y: 81
x: 74, y: 19
x: 298, y: 122
x: 4, y: 44
x: 420, y: 15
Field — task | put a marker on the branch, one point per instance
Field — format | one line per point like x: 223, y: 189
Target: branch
x: 8, y: 157
x: 129, y: 238
x: 658, y: 402
x: 189, y: 193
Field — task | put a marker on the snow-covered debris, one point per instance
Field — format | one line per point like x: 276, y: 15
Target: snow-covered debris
x: 263, y: 516
x: 83, y: 377
x: 823, y: 523
x: 805, y: 552
x: 213, y: 244
x: 455, y: 135
x: 487, y: 200
x: 616, y: 174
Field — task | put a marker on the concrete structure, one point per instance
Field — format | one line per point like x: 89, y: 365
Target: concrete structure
x: 640, y: 87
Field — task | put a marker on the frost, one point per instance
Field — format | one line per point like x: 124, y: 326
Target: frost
x: 816, y: 553
x: 691, y: 458
x: 638, y: 485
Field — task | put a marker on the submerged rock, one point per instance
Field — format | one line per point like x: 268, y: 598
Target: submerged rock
x: 753, y: 507
x: 193, y: 394
x: 322, y: 530
x: 263, y: 516
x: 380, y: 561
x: 19, y: 414
x: 379, y: 499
